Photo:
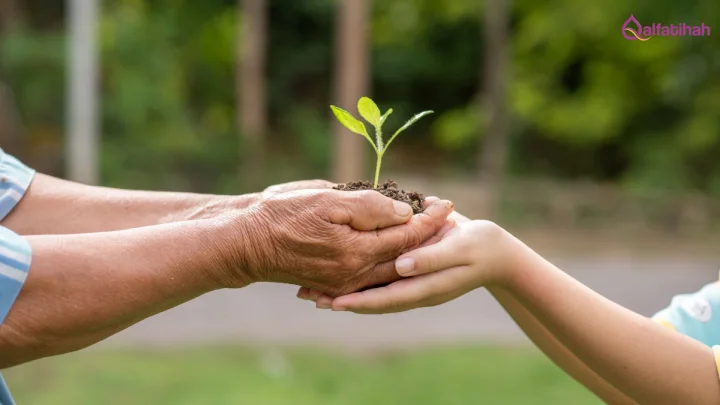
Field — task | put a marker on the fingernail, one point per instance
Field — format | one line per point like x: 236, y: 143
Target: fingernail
x: 404, y: 265
x: 322, y: 305
x: 402, y: 209
x: 339, y: 309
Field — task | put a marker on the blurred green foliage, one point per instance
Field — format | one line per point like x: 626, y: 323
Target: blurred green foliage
x: 585, y: 103
x: 231, y: 375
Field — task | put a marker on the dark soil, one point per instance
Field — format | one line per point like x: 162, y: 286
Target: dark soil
x: 389, y: 189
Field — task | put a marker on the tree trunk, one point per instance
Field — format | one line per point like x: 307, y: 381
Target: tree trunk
x: 9, y: 14
x: 82, y: 160
x: 252, y: 109
x: 351, y: 83
x: 494, y: 152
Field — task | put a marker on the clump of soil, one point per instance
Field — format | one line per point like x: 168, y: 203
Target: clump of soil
x: 389, y: 189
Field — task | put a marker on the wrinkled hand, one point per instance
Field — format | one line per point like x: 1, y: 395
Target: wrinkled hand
x: 316, y: 184
x: 462, y: 256
x: 336, y: 242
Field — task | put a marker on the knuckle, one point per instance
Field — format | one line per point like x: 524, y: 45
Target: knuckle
x: 414, y: 237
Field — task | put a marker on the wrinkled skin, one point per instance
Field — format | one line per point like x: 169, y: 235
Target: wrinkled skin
x: 316, y: 184
x: 335, y: 242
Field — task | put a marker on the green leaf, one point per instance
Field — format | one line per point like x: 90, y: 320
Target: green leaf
x: 411, y: 121
x: 349, y: 121
x: 369, y: 110
x: 352, y: 123
x: 384, y: 116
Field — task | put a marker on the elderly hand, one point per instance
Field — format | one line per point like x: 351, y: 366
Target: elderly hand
x: 336, y: 242
x: 461, y: 257
x: 316, y: 184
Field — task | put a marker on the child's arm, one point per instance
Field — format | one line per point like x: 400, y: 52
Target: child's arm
x: 551, y: 347
x: 557, y: 352
x: 647, y: 362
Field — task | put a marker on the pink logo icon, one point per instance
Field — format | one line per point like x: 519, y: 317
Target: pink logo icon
x: 629, y: 33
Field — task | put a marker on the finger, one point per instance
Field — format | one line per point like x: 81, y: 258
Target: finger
x: 428, y: 201
x: 425, y: 290
x: 324, y: 302
x: 392, y: 242
x: 442, y: 255
x: 449, y: 225
x: 313, y: 294
x: 303, y: 293
x: 381, y: 275
x: 308, y: 294
x: 368, y: 210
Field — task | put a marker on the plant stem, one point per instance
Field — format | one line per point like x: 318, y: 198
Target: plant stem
x: 377, y: 169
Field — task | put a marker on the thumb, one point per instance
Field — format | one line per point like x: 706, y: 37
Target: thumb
x: 439, y: 256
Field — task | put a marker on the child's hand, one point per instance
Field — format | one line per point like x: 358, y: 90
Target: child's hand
x: 467, y: 256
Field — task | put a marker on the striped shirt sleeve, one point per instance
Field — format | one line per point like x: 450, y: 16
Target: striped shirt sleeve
x: 15, y: 252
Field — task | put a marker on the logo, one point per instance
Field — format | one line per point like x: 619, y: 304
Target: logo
x: 699, y: 308
x: 632, y: 30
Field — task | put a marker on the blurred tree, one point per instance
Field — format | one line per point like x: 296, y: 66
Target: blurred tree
x: 252, y: 121
x: 351, y: 83
x: 494, y: 151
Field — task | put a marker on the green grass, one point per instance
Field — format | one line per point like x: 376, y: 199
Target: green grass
x: 223, y: 375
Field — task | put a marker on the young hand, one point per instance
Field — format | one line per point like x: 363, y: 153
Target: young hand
x: 459, y: 259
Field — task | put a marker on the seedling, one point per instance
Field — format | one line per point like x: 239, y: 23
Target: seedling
x: 371, y: 113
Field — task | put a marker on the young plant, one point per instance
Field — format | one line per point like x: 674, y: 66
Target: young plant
x: 371, y: 113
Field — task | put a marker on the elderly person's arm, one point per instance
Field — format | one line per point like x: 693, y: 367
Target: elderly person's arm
x: 56, y: 206
x: 83, y: 288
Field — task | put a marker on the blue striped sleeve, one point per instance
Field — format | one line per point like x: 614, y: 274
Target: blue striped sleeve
x: 14, y: 265
x: 15, y: 179
x: 15, y: 253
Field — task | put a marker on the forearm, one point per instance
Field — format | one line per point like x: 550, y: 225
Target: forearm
x: 549, y: 345
x: 646, y: 361
x: 558, y: 353
x: 83, y: 288
x: 54, y: 206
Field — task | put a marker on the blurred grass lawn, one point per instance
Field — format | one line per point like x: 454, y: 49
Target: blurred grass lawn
x: 229, y: 375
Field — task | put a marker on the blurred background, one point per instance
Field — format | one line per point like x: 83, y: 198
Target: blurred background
x: 601, y: 153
